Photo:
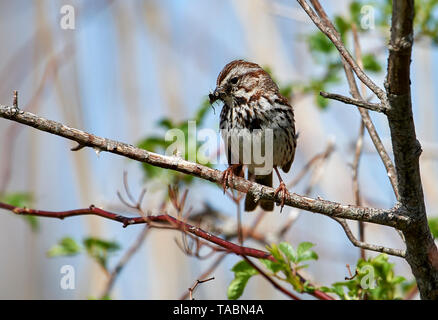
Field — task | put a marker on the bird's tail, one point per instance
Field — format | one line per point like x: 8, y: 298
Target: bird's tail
x: 250, y: 201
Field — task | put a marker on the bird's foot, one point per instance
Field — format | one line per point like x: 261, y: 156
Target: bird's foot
x: 228, y: 172
x: 282, y: 188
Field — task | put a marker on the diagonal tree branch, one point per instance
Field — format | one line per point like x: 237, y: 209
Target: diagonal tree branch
x: 391, y: 217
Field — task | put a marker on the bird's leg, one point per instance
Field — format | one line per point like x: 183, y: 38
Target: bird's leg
x: 229, y: 172
x: 281, y: 188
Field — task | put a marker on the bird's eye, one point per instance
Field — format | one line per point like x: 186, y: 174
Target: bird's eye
x: 234, y: 80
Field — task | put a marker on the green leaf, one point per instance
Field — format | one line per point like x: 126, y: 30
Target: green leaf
x: 374, y: 280
x: 321, y: 102
x: 166, y: 123
x: 296, y: 283
x: 92, y: 243
x: 100, y: 249
x: 244, y: 268
x: 336, y: 289
x: 66, y: 247
x: 287, y: 249
x: 302, y: 266
x: 304, y: 253
x: 33, y: 222
x: 397, y: 280
x: 151, y: 171
x: 355, y: 14
x: 320, y: 43
x: 242, y: 272
x: 303, y: 247
x: 370, y: 63
x: 286, y: 91
x: 17, y: 199
x: 342, y: 25
x: 159, y: 145
x: 407, y: 286
x: 272, y: 266
x: 236, y: 287
x: 22, y: 199
x: 153, y: 144
x: 274, y: 250
x: 433, y: 225
x: 307, y: 287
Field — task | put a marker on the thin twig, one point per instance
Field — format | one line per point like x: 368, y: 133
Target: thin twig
x: 123, y: 261
x: 357, y: 102
x: 15, y: 100
x: 356, y: 189
x: 352, y: 276
x: 206, y: 273
x: 359, y: 144
x: 197, y: 283
x: 367, y: 246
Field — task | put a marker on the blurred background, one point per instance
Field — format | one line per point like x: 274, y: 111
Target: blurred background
x: 129, y: 70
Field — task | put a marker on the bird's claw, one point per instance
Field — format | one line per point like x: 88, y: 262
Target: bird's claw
x: 282, y: 188
x: 225, y: 176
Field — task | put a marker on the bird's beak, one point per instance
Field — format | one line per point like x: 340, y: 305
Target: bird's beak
x: 216, y: 95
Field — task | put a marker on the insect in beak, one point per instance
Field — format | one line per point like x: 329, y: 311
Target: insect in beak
x: 215, y: 95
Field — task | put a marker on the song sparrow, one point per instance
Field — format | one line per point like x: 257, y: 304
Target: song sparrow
x: 252, y: 102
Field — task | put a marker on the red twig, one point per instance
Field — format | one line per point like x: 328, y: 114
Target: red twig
x: 160, y: 219
x: 126, y: 221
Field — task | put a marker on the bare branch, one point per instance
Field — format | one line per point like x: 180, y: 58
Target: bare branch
x: 367, y: 246
x: 357, y: 102
x: 391, y: 217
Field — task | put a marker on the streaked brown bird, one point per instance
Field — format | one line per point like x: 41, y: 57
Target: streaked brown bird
x: 252, y: 106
